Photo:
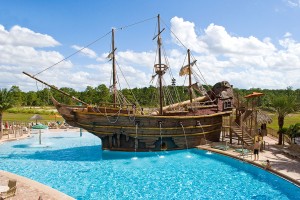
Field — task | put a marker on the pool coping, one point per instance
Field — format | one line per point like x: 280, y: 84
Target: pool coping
x: 225, y: 153
x: 39, y: 186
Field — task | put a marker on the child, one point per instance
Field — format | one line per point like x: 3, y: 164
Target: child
x: 268, y: 165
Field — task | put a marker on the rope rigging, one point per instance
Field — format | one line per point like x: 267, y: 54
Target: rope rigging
x: 93, y: 42
x: 80, y: 50
x: 168, y: 97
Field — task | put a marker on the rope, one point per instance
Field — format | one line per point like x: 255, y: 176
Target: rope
x: 118, y: 113
x: 93, y: 42
x: 130, y: 117
x: 139, y: 22
x: 171, y: 75
x: 128, y: 85
x: 73, y: 53
x: 174, y: 34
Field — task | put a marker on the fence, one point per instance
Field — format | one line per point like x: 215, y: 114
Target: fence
x: 14, y: 129
x: 274, y: 133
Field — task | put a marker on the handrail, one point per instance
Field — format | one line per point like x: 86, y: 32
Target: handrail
x: 243, y: 131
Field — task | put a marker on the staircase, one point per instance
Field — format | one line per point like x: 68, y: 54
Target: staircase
x: 244, y: 137
x: 246, y: 114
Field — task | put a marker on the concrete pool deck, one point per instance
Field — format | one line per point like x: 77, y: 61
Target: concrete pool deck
x: 281, y: 164
x: 28, y: 189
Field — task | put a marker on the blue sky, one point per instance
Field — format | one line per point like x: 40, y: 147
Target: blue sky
x: 248, y: 43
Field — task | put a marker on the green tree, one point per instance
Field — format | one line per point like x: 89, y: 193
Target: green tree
x: 293, y: 131
x: 67, y: 100
x: 6, y: 102
x: 283, y: 105
x: 89, y: 95
x: 102, y: 94
x: 31, y: 98
x: 17, y: 95
x: 43, y: 97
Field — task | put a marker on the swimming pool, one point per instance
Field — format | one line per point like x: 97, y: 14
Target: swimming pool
x: 78, y: 167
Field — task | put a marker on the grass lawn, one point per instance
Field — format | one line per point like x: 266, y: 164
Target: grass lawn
x: 288, y: 120
x: 25, y: 117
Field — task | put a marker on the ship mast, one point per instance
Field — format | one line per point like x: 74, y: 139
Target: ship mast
x: 160, y: 74
x: 190, y: 75
x: 114, y: 67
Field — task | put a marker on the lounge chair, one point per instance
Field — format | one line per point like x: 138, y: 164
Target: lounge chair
x: 220, y: 147
x: 12, y: 184
x: 244, y: 152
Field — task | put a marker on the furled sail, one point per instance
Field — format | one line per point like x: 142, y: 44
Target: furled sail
x: 185, y: 70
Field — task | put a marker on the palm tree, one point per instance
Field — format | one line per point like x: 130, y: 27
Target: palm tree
x: 283, y: 105
x: 6, y: 102
x: 293, y: 131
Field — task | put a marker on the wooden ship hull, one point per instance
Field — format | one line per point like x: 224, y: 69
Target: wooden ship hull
x: 126, y: 131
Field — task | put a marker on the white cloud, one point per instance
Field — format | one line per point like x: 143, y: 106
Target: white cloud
x: 185, y: 32
x: 24, y: 56
x: 85, y: 51
x: 19, y: 51
x: 142, y: 59
x: 245, y: 61
x: 293, y: 3
x: 231, y: 57
x: 287, y: 34
x: 20, y: 36
x: 220, y: 42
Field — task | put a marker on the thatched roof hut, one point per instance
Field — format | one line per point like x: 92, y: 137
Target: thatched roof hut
x: 263, y: 118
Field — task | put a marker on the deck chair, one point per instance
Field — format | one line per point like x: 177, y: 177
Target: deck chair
x: 244, y: 152
x: 12, y: 184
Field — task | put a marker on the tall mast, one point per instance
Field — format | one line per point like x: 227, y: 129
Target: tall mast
x: 190, y: 75
x: 114, y: 66
x: 160, y: 68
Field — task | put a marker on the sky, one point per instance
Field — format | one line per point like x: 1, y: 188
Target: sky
x: 251, y: 44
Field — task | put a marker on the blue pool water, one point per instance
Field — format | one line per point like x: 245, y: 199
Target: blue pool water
x: 78, y: 167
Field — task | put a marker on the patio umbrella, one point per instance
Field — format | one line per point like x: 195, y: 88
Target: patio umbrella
x: 40, y: 127
x: 254, y: 94
x: 36, y: 117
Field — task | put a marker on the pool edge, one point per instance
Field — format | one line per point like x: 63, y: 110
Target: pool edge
x: 39, y: 186
x: 288, y: 178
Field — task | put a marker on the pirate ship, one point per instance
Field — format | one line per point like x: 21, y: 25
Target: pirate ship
x: 125, y: 126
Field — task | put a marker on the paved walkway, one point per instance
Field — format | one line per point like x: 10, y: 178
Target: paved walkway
x: 281, y: 163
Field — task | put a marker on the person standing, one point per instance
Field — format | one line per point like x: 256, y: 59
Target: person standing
x: 256, y: 149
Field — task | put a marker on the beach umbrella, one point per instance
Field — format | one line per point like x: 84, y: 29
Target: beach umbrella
x: 36, y: 117
x: 40, y: 127
x: 254, y: 94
